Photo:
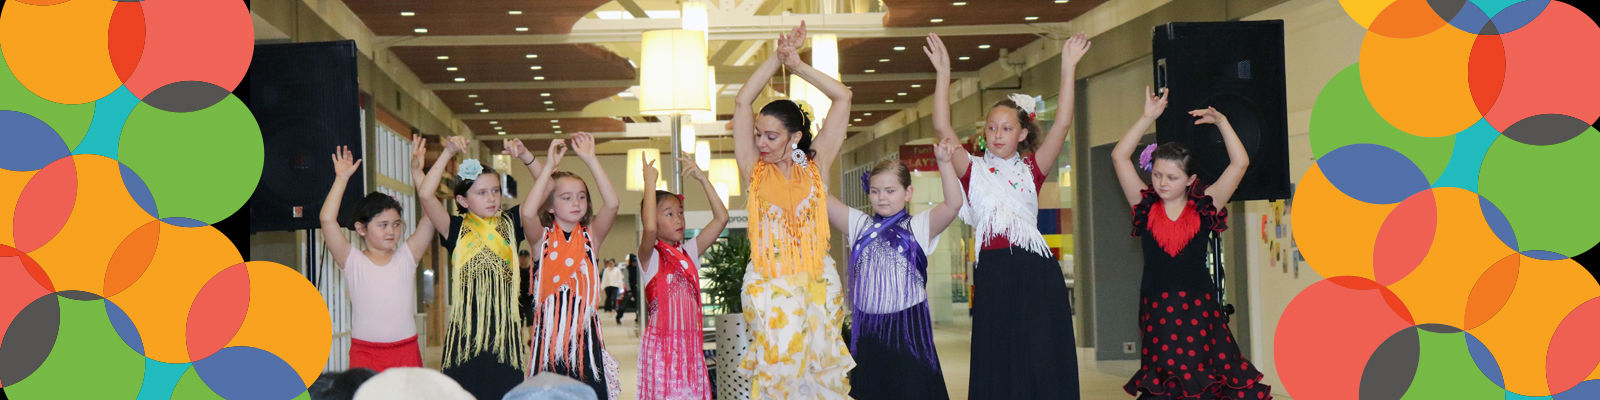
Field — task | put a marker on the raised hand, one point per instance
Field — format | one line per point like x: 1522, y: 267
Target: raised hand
x: 455, y: 144
x: 1208, y: 116
x: 344, y: 163
x: 937, y: 54
x: 690, y: 169
x: 945, y: 149
x: 1154, y: 105
x: 583, y: 144
x: 1075, y: 48
x: 651, y: 175
x: 558, y: 149
x: 515, y: 148
x: 789, y: 45
x: 419, y: 152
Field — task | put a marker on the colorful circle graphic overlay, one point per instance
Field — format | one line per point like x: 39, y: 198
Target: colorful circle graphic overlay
x: 1449, y: 274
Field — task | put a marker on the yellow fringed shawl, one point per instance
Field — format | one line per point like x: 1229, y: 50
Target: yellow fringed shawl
x: 789, y: 220
x: 483, y: 294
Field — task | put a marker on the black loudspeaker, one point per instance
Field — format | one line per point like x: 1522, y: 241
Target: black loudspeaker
x: 304, y: 97
x: 1236, y: 67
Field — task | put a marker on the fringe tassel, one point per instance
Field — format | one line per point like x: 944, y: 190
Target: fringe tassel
x: 909, y: 331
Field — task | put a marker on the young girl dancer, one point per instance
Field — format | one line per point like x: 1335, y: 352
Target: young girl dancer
x: 671, y: 358
x: 484, y: 340
x: 791, y: 290
x: 891, y: 336
x: 1022, y: 341
x: 381, y: 279
x: 1186, y: 350
x: 566, y: 327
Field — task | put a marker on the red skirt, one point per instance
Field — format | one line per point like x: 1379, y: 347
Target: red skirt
x: 381, y: 356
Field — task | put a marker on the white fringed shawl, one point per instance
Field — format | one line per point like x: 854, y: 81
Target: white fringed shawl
x: 1003, y: 201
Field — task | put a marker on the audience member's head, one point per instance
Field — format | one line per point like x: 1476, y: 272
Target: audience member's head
x: 411, y: 384
x: 339, y: 385
x: 548, y: 386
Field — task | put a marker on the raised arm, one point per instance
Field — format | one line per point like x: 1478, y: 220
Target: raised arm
x: 422, y: 237
x: 1238, y: 159
x: 940, y: 217
x: 831, y: 136
x: 427, y: 190
x: 719, y: 213
x: 583, y: 144
x: 541, y: 191
x: 344, y: 165
x: 515, y: 149
x: 940, y: 57
x: 647, y: 211
x: 1122, y: 154
x: 1071, y: 53
x: 744, y: 117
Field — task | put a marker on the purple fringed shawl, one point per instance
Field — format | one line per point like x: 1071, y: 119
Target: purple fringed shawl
x: 879, y: 281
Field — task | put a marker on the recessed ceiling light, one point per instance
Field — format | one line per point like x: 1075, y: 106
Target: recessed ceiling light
x: 451, y: 69
x: 858, y: 119
x: 545, y: 94
x: 549, y: 102
x: 964, y: 58
x: 522, y: 29
x: 499, y: 128
x: 514, y: 12
x: 494, y: 122
x: 1030, y: 18
x: 900, y: 94
x: 899, y: 48
x: 531, y: 55
x: 407, y: 14
x: 959, y: 3
x: 1061, y: 1
x: 558, y: 132
x: 443, y: 57
x: 870, y: 71
x: 535, y: 67
x: 555, y: 121
x: 883, y: 60
x: 983, y: 46
x: 472, y: 96
x: 420, y: 30
x: 502, y: 132
x: 888, y: 100
x: 483, y: 110
x: 460, y: 79
x: 555, y: 126
x: 549, y: 109
x: 916, y: 85
x: 866, y: 114
x: 936, y: 20
x: 478, y: 103
x: 538, y: 78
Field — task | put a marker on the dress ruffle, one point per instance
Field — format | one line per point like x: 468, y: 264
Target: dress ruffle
x: 1211, y: 217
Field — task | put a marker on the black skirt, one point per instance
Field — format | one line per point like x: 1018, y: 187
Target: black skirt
x: 484, y: 376
x: 896, y: 359
x: 1023, y: 346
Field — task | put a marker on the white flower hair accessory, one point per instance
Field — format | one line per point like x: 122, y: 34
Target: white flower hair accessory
x: 470, y: 169
x: 1028, y: 105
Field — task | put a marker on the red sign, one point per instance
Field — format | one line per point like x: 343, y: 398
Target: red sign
x: 918, y: 157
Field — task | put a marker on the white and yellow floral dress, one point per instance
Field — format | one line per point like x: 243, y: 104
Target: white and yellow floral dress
x: 792, y: 298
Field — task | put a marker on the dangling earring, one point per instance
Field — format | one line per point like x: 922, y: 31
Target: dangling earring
x: 799, y: 156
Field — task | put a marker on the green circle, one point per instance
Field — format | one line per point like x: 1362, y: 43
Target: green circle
x: 201, y: 165
x: 1445, y: 370
x: 87, y: 349
x: 1343, y: 116
x: 190, y: 387
x: 1532, y: 185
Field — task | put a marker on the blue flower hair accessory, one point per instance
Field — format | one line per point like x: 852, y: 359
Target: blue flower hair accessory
x: 866, y: 181
x: 1145, y: 160
x: 469, y: 170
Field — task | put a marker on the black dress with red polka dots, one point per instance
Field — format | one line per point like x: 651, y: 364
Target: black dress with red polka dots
x: 1186, y: 350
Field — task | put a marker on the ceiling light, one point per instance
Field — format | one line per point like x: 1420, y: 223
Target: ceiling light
x: 502, y: 132
x: 1030, y: 18
x: 522, y: 29
x: 558, y: 131
x: 460, y: 79
x: 514, y: 12
x: 443, y: 57
x: 478, y: 103
x: 899, y: 48
x: 549, y: 109
x: 420, y: 30
x: 483, y: 110
x: 535, y: 67
x: 866, y: 114
x: 555, y: 121
x: 883, y: 60
x: 538, y: 78
x: 900, y: 94
x: 545, y: 94
x: 494, y: 122
x: 870, y: 71
x: 472, y: 96
x: 531, y: 55
x: 964, y: 58
x: 916, y: 85
x: 549, y: 102
x: 858, y: 119
x: 499, y: 128
x: 407, y: 14
x: 888, y: 100
x: 936, y: 20
x: 983, y: 46
x: 959, y: 3
x: 1061, y: 1
x: 555, y: 126
x: 451, y: 69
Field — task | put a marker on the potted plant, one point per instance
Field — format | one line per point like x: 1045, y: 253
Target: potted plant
x: 723, y: 269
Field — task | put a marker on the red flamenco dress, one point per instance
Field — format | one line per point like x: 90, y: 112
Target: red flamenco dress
x: 1186, y: 349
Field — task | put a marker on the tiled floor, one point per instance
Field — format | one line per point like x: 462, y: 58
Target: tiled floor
x: 1098, y: 379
